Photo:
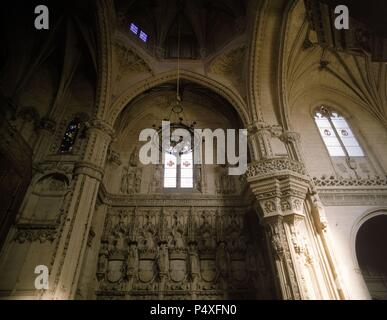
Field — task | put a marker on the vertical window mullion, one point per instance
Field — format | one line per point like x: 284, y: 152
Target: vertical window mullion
x: 338, y: 136
x: 178, y: 175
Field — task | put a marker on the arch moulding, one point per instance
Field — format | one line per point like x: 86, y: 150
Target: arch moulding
x: 230, y: 95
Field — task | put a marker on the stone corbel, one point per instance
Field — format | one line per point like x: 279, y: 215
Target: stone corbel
x: 280, y: 196
x: 290, y: 137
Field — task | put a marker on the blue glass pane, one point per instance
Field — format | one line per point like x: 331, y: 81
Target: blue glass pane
x: 133, y: 28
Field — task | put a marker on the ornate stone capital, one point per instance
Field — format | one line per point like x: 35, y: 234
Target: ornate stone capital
x: 29, y: 232
x: 89, y: 169
x: 280, y: 186
x: 101, y: 125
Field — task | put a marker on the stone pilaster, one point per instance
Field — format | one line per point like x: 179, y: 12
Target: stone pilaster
x: 280, y: 186
x: 67, y: 260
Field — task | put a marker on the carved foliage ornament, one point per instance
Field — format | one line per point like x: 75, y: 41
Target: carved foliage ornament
x: 340, y: 182
x: 270, y: 166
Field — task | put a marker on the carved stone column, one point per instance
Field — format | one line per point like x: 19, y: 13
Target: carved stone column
x: 259, y: 140
x: 280, y: 186
x: 68, y: 257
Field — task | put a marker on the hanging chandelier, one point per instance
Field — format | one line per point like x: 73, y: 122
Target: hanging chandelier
x: 181, y: 141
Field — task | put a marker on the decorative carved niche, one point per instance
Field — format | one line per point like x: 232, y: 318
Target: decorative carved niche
x: 46, y: 200
x: 131, y: 175
x: 43, y: 210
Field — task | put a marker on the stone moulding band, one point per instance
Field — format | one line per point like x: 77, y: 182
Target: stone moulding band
x: 339, y: 182
x: 274, y: 166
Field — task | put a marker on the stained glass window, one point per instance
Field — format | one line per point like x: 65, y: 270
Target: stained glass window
x: 143, y: 36
x: 70, y: 135
x: 178, y: 175
x: 139, y: 33
x: 186, y: 171
x: 336, y: 134
x: 133, y: 28
x: 170, y: 171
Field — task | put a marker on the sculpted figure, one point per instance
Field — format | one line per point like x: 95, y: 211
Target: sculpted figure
x: 137, y: 184
x: 134, y: 157
x: 124, y: 181
x: 222, y: 260
x: 149, y: 241
x: 177, y: 234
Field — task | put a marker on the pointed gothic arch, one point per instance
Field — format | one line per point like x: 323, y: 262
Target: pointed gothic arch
x: 230, y: 95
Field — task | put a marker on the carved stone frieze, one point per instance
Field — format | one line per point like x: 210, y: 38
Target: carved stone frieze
x: 335, y: 191
x: 169, y: 251
x: 274, y: 166
x: 340, y: 182
x: 35, y: 232
x: 339, y: 197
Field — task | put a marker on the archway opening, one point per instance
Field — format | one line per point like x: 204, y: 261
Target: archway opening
x: 170, y: 241
x: 372, y: 255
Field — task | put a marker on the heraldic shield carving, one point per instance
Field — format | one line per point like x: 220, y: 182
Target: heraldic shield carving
x: 179, y: 254
x: 115, y: 268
